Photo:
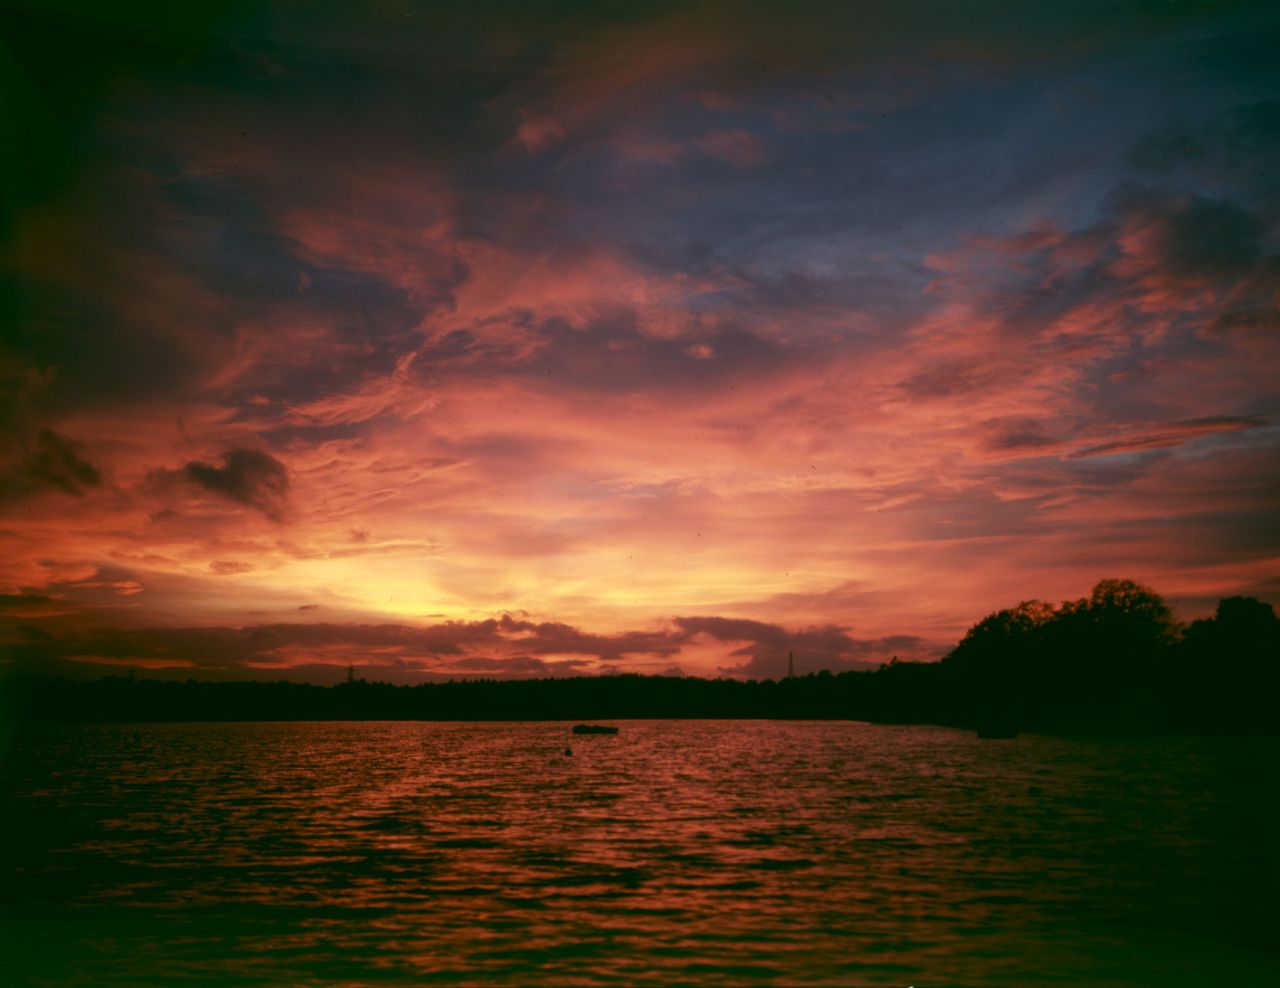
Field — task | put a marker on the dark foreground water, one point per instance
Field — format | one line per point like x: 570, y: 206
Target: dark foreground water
x: 731, y: 852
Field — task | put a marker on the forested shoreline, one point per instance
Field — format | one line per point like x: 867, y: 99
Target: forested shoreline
x: 1115, y: 661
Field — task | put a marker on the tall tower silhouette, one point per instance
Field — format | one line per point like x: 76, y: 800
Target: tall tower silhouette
x: 791, y: 664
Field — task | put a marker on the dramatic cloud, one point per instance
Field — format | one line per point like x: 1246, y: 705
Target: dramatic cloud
x: 58, y: 462
x: 771, y: 651
x: 29, y: 605
x: 248, y: 476
x: 496, y: 647
x: 524, y: 333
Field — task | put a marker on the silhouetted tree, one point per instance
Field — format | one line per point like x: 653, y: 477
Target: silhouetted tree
x: 1108, y: 649
x: 998, y: 643
x: 1124, y: 615
x: 996, y: 669
x: 1230, y: 667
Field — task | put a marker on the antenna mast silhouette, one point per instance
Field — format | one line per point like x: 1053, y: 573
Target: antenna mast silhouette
x: 791, y: 664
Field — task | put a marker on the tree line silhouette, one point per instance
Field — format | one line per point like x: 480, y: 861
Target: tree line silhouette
x: 1116, y: 660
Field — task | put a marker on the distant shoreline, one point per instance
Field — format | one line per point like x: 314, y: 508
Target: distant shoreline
x: 1113, y: 662
x: 863, y: 697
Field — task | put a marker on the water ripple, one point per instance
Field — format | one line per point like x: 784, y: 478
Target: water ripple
x: 674, y: 852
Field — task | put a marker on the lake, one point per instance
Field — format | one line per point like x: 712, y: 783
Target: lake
x: 677, y: 852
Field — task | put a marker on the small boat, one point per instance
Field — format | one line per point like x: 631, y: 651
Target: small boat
x: 997, y: 732
x: 593, y: 729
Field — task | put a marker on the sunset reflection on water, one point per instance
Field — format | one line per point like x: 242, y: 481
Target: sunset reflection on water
x: 693, y: 852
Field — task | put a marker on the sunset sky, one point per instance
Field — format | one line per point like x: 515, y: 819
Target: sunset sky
x: 520, y: 339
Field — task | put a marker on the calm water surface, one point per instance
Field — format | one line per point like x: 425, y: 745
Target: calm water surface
x: 678, y: 852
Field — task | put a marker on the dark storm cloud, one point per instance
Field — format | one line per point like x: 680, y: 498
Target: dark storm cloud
x: 49, y: 462
x: 733, y: 629
x: 505, y: 647
x: 1196, y: 237
x: 57, y: 462
x: 151, y: 262
x: 828, y: 647
x: 965, y: 151
x: 230, y: 234
x: 247, y: 476
x: 88, y: 319
x: 274, y: 643
x: 1177, y: 238
x: 1138, y: 305
x: 555, y: 637
x: 60, y: 62
x: 33, y: 605
x: 443, y: 93
x: 519, y: 666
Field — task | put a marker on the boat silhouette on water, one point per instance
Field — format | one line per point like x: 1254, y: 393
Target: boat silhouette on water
x: 593, y: 729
